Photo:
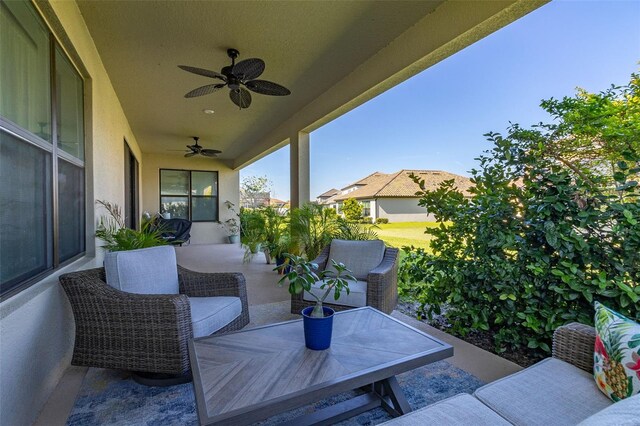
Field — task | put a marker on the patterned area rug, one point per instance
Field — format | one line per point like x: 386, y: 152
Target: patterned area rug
x: 110, y: 397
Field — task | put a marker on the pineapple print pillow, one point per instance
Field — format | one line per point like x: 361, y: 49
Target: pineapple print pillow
x: 616, y: 366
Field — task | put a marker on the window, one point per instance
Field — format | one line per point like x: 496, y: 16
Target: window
x: 366, y: 208
x: 189, y: 194
x: 131, y: 188
x: 42, y: 219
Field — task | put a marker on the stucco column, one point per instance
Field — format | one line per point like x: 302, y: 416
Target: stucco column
x: 299, y: 169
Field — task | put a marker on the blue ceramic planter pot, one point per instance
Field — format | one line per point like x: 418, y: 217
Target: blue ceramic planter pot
x: 317, y: 331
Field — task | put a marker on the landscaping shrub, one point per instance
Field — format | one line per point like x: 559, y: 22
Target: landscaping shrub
x: 352, y: 209
x: 312, y: 227
x: 366, y: 220
x: 551, y: 227
x: 382, y: 220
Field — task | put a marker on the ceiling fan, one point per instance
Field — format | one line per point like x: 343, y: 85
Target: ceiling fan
x: 244, y: 73
x: 198, y: 149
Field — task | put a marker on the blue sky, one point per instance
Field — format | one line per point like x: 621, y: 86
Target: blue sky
x: 436, y: 119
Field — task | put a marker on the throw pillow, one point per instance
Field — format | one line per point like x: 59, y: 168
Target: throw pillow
x: 616, y: 365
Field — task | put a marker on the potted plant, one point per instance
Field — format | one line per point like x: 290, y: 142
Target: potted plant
x: 116, y: 236
x: 251, y: 232
x: 274, y: 231
x: 232, y: 225
x: 278, y: 251
x: 317, y: 319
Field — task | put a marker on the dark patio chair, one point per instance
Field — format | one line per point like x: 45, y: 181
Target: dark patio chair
x: 174, y: 231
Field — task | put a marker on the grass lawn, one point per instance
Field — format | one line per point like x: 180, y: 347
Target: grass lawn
x: 405, y: 233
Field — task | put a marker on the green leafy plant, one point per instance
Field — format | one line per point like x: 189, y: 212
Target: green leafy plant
x: 304, y: 274
x: 251, y: 232
x: 231, y: 225
x: 352, y: 209
x: 553, y: 224
x: 348, y: 230
x: 312, y: 227
x: 275, y: 228
x: 116, y: 236
x: 382, y: 220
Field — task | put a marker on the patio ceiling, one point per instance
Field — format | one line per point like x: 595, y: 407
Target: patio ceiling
x: 333, y: 55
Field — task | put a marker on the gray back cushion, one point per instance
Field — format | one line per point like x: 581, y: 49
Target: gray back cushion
x: 360, y: 257
x: 625, y: 412
x: 145, y: 271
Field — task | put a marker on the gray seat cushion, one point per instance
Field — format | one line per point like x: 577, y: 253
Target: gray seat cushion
x: 360, y: 257
x: 621, y: 413
x: 356, y: 298
x: 145, y: 271
x: 551, y: 392
x: 462, y: 409
x: 210, y: 314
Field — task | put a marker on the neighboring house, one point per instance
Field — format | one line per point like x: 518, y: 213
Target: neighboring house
x: 324, y: 197
x: 393, y: 195
x: 255, y: 199
x: 281, y: 206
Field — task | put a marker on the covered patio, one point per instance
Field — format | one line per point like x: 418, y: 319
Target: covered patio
x: 269, y: 303
x: 120, y: 62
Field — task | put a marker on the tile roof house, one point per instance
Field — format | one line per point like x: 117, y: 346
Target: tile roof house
x: 393, y: 195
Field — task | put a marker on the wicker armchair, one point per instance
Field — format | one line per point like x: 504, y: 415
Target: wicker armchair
x: 574, y: 343
x: 382, y: 285
x: 142, y: 332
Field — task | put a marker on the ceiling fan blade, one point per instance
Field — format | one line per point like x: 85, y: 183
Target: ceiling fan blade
x: 204, y: 90
x: 209, y: 152
x: 201, y: 71
x: 190, y: 154
x: 265, y: 87
x: 240, y: 97
x: 248, y: 69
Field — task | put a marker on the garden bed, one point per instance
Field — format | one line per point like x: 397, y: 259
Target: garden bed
x: 481, y: 339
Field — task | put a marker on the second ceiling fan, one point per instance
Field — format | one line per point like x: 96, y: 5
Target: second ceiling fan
x: 198, y: 149
x: 235, y: 76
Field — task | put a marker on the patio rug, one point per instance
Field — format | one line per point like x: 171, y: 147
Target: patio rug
x: 109, y: 397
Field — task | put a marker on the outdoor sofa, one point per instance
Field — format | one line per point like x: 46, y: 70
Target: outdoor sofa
x: 559, y: 390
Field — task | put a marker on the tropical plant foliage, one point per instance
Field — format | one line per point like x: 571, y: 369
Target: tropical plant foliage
x: 313, y: 227
x: 553, y: 225
x: 116, y: 236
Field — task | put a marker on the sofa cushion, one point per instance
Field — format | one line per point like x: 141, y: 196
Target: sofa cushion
x: 151, y: 270
x: 623, y: 413
x: 360, y: 257
x: 356, y: 298
x: 462, y: 409
x: 551, y: 392
x: 210, y: 314
x: 616, y: 361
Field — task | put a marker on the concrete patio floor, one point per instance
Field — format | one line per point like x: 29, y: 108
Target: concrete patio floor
x: 269, y: 303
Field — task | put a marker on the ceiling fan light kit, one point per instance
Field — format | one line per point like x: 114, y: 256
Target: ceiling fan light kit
x: 238, y: 78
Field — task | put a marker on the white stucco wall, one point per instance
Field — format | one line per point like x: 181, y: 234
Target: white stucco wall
x: 36, y: 325
x: 228, y: 187
x: 402, y: 210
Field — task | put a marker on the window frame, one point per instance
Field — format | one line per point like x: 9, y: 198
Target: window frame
x: 189, y: 195
x: 56, y: 154
x: 366, y: 208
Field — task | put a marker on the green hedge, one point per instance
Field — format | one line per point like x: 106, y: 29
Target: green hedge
x: 551, y: 227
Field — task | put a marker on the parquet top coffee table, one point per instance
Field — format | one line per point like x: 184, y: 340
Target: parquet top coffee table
x: 246, y: 376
